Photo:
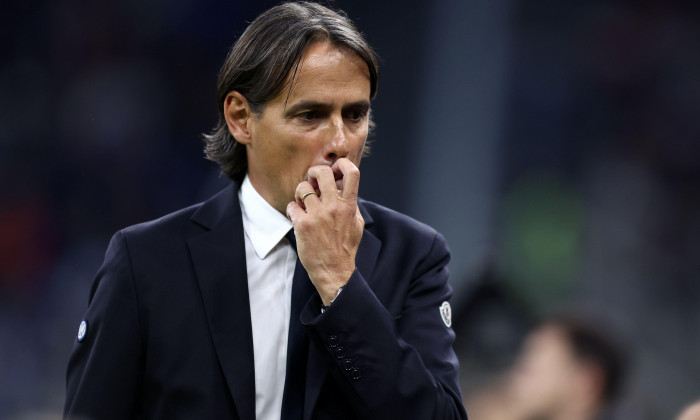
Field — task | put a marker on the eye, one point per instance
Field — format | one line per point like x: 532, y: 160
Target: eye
x: 356, y: 115
x: 308, y: 116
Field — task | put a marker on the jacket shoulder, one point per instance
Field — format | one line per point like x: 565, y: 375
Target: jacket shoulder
x: 177, y: 223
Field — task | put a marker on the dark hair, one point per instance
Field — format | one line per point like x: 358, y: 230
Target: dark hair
x: 260, y: 63
x: 595, y: 345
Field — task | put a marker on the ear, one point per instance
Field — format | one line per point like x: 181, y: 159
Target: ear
x: 237, y: 113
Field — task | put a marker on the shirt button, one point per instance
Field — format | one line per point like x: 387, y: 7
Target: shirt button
x: 339, y: 353
x: 333, y: 341
x: 356, y: 374
x: 348, y: 365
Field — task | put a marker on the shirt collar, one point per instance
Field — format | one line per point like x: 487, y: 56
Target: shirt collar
x: 262, y: 224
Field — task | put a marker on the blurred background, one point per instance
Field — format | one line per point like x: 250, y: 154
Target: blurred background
x: 555, y: 144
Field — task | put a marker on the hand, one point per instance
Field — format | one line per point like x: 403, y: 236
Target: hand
x: 328, y: 225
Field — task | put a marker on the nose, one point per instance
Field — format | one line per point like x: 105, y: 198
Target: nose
x: 338, y: 145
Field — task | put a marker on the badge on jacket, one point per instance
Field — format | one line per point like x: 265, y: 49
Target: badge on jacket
x: 82, y: 330
x: 446, y: 314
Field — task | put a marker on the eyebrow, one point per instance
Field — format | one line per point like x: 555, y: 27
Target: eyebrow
x: 306, y: 105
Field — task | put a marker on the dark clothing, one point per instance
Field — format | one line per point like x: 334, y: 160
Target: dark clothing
x: 169, y: 331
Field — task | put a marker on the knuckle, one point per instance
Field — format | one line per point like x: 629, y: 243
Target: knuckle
x: 303, y: 189
x: 324, y: 170
x: 302, y: 225
x: 333, y: 209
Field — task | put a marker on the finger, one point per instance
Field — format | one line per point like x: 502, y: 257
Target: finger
x: 360, y: 218
x: 351, y: 177
x: 323, y: 176
x: 294, y: 212
x: 302, y: 196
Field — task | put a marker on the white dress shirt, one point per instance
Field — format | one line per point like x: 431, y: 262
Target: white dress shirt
x: 270, y: 261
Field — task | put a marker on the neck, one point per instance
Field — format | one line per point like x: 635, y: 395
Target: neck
x: 268, y: 195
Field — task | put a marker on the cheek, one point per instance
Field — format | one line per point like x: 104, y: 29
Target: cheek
x: 357, y: 158
x: 297, y: 156
x: 358, y: 149
x: 289, y: 152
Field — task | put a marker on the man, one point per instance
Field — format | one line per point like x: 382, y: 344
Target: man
x: 567, y: 370
x: 692, y: 412
x: 205, y: 313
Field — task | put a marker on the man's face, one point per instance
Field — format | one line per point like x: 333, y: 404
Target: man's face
x: 324, y: 118
x: 543, y: 381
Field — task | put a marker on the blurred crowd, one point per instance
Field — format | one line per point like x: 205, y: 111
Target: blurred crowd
x: 101, y: 110
x: 601, y: 201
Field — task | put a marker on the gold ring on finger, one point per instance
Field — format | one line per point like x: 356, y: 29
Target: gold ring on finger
x: 307, y: 194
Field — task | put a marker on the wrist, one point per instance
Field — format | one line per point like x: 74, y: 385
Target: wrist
x: 328, y: 286
x: 324, y: 307
x: 327, y: 299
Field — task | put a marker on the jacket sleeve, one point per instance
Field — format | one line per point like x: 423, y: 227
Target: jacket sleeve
x: 104, y: 369
x: 399, y: 366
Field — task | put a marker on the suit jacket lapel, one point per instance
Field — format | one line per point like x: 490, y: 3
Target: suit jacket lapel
x: 369, y: 248
x: 218, y: 256
x: 317, y: 366
x: 219, y: 261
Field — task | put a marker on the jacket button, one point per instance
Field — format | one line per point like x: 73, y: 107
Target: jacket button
x: 339, y: 352
x: 333, y: 341
x: 348, y: 365
x: 356, y: 374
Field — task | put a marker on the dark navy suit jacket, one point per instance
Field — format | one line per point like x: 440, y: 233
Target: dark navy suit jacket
x: 169, y: 332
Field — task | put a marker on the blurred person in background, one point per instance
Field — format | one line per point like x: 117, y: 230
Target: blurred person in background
x: 692, y: 412
x: 566, y: 370
x: 284, y: 296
